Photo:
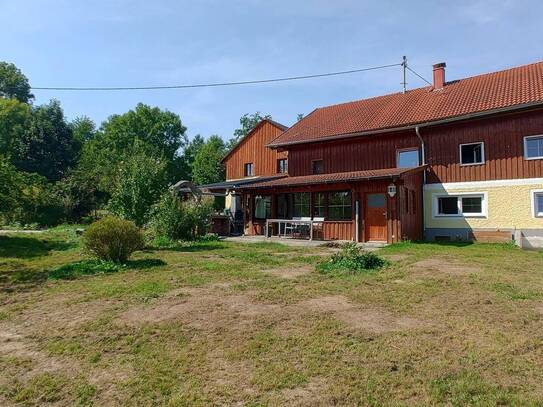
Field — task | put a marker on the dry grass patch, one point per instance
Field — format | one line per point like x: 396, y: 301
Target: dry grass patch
x: 205, y: 308
x: 370, y: 319
x: 290, y: 272
x: 439, y: 267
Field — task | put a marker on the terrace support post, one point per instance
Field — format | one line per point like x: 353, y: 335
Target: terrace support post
x: 357, y: 220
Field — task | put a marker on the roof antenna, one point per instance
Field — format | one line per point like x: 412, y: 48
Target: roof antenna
x: 404, y: 68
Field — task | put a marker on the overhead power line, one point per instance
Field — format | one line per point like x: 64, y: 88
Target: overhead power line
x: 210, y: 85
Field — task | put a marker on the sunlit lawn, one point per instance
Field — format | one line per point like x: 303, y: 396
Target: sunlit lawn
x: 218, y: 323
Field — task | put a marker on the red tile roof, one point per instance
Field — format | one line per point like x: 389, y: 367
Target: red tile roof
x: 522, y: 85
x: 334, y: 178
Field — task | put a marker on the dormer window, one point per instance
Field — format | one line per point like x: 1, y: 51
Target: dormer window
x: 248, y: 169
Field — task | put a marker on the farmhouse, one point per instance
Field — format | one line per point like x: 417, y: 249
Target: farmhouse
x: 458, y: 160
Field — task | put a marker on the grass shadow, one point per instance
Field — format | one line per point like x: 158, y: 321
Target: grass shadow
x: 24, y: 247
x: 25, y: 279
x: 189, y: 248
x: 142, y: 264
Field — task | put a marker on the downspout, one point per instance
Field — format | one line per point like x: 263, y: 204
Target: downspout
x: 423, y: 162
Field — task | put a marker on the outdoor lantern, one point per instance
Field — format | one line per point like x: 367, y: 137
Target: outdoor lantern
x: 391, y: 190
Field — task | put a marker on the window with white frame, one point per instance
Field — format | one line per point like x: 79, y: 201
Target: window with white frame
x: 472, y: 153
x: 533, y: 147
x: 466, y: 205
x: 537, y: 201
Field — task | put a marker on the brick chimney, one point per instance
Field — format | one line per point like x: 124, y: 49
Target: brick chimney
x: 439, y: 75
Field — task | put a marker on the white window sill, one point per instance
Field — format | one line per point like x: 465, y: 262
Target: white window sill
x: 471, y: 165
x: 533, y: 158
x: 471, y: 215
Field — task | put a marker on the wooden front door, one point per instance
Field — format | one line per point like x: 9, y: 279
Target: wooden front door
x: 376, y: 217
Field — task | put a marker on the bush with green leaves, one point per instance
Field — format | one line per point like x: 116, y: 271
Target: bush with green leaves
x: 175, y: 219
x: 141, y: 179
x: 113, y: 239
x: 352, y: 259
x: 28, y: 198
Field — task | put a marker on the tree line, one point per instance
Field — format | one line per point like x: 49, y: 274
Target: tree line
x: 53, y: 170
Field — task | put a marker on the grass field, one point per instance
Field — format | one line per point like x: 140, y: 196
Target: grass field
x: 229, y: 324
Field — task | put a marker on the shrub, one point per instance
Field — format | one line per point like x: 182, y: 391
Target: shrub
x: 174, y: 219
x: 140, y: 181
x: 113, y: 239
x: 352, y: 259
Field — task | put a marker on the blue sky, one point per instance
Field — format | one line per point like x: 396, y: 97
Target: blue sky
x: 130, y: 43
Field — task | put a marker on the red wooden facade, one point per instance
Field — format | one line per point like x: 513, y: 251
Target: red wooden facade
x: 402, y: 213
x: 503, y: 138
x: 252, y: 149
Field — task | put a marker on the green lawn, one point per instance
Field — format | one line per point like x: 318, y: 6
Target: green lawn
x: 220, y: 324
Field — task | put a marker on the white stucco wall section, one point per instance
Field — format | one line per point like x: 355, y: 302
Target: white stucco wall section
x: 509, y: 204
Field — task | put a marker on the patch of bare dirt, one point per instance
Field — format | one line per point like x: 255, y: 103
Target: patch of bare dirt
x: 539, y: 308
x: 230, y: 374
x: 290, y: 272
x: 13, y: 344
x: 204, y: 308
x: 439, y: 266
x: 369, y: 319
x: 309, y: 395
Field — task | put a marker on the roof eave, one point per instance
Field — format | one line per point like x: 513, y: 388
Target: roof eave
x: 342, y: 181
x: 414, y: 125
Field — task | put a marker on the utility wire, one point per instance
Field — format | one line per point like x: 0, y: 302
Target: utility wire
x: 420, y: 76
x: 209, y: 85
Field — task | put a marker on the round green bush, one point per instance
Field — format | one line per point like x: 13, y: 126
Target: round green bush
x: 113, y: 239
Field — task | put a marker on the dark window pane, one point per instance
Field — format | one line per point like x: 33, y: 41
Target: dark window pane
x: 448, y: 206
x: 318, y: 167
x: 472, y: 205
x: 339, y: 205
x: 301, y: 204
x: 471, y: 153
x: 408, y: 158
x: 283, y: 206
x: 534, y: 147
x: 319, y: 205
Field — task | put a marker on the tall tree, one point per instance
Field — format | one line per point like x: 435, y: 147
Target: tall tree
x: 159, y: 133
x: 14, y: 84
x: 247, y: 122
x: 189, y: 153
x: 14, y: 121
x: 47, y: 147
x: 207, y: 166
x: 83, y: 129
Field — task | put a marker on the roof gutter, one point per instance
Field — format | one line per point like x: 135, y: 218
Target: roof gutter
x: 414, y: 126
x: 423, y: 159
